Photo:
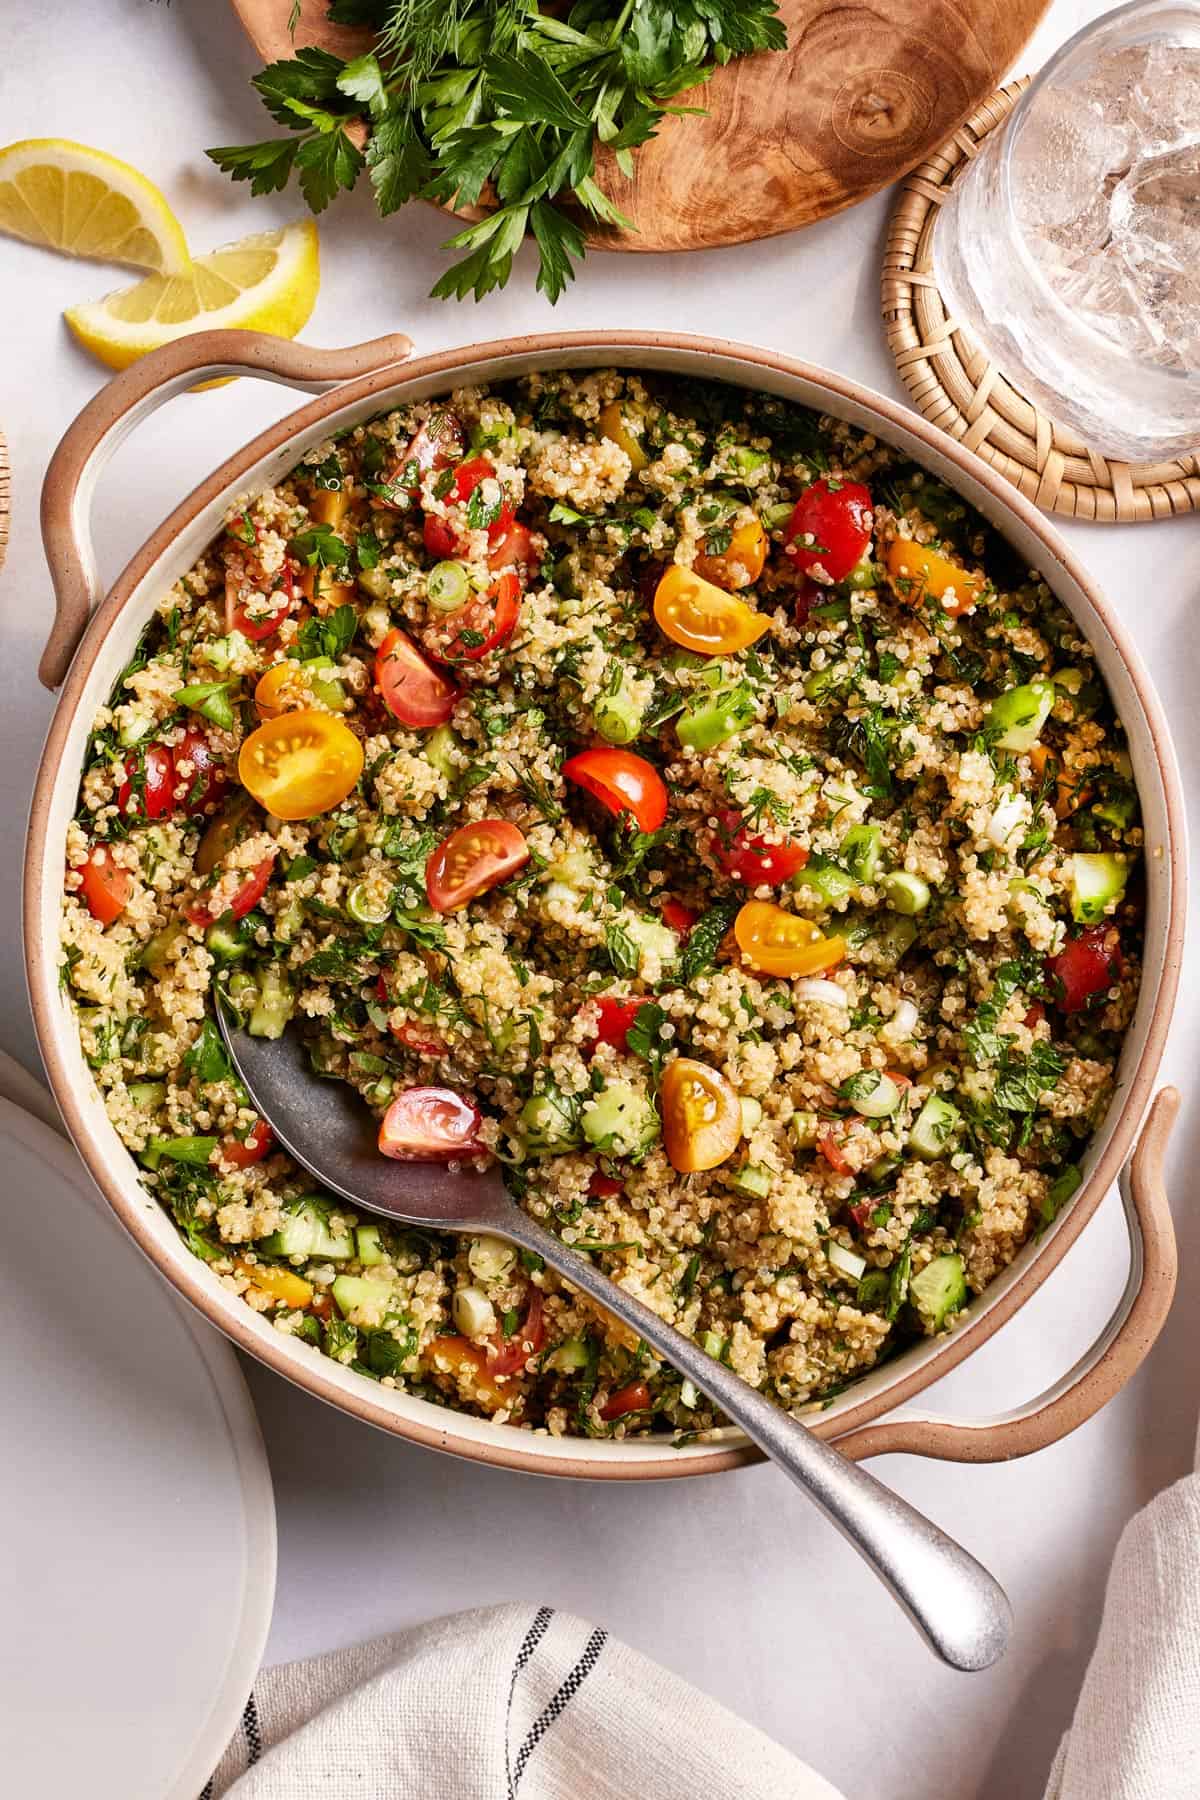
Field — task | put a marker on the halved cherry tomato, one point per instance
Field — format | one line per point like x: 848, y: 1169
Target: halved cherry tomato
x: 245, y: 898
x: 197, y: 764
x: 413, y: 1037
x: 300, y: 764
x: 702, y: 1118
x: 622, y: 782
x: 702, y: 617
x: 830, y: 528
x: 829, y: 1148
x: 430, y: 1124
x: 918, y: 573
x: 243, y: 1153
x: 1070, y: 791
x: 479, y: 627
x: 753, y: 859
x: 779, y: 942
x: 604, y: 1187
x: 633, y: 1398
x: 512, y: 546
x: 415, y: 693
x: 283, y: 1285
x: 616, y: 1016
x: 740, y: 563
x: 259, y: 625
x: 1085, y: 966
x: 149, y: 784
x: 512, y: 1354
x: 106, y: 885
x: 459, y: 1356
x: 435, y: 445
x: 441, y: 539
x: 471, y: 860
x: 679, y: 917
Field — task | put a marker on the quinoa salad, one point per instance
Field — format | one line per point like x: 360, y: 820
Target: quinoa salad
x: 676, y: 797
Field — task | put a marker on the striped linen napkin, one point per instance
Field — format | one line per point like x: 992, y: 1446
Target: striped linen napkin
x: 511, y: 1701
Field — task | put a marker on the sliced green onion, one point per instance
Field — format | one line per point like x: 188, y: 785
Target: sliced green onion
x: 448, y: 586
x: 363, y: 905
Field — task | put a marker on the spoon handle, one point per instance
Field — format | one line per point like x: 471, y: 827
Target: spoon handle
x: 959, y: 1608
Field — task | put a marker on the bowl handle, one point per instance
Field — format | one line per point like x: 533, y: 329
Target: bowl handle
x: 124, y: 402
x: 1103, y: 1370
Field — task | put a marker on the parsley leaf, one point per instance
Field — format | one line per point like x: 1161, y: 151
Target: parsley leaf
x: 330, y: 637
x: 704, y: 940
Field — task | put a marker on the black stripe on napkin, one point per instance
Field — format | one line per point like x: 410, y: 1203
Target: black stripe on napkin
x: 533, y: 1637
x: 559, y: 1704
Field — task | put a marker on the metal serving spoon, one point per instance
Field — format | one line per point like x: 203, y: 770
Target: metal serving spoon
x: 959, y: 1608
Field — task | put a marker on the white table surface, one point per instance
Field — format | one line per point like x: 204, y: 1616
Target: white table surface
x: 731, y: 1580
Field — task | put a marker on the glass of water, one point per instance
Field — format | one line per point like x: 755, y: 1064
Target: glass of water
x: 1070, y: 246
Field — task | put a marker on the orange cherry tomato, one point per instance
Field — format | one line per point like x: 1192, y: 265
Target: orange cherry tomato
x: 300, y: 764
x: 243, y: 1153
x: 633, y: 1398
x: 702, y: 617
x: 458, y: 1356
x: 741, y: 562
x: 106, y: 885
x: 415, y: 693
x: 779, y: 942
x: 479, y: 627
x: 918, y: 573
x: 679, y: 917
x: 702, y: 1118
x: 283, y: 1285
x: 471, y: 860
x: 430, y: 1124
x: 622, y: 782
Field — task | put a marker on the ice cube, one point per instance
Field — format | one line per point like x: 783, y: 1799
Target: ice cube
x: 1155, y: 213
x: 1064, y: 150
x: 1164, y: 105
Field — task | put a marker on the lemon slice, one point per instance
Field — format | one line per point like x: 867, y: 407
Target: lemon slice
x: 87, y: 203
x: 267, y: 282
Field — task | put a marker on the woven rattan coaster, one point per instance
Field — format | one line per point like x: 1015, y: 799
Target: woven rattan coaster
x: 3, y: 498
x: 959, y: 390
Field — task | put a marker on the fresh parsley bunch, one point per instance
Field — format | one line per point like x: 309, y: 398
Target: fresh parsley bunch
x: 494, y: 100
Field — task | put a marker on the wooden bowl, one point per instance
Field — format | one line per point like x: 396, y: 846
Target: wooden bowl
x: 865, y: 90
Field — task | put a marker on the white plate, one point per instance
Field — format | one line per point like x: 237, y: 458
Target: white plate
x: 136, y: 1512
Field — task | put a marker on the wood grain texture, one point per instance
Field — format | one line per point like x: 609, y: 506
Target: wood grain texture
x: 865, y: 90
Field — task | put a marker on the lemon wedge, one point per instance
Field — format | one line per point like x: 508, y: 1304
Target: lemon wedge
x: 87, y: 203
x: 267, y: 282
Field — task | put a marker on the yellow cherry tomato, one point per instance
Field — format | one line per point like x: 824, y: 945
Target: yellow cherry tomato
x: 282, y: 688
x: 300, y: 764
x: 918, y: 573
x: 741, y: 562
x: 702, y: 617
x: 779, y: 942
x: 281, y: 1284
x: 615, y: 427
x: 702, y: 1116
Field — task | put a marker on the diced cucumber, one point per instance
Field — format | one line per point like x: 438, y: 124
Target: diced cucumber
x: 160, y: 948
x: 621, y: 1120
x: 568, y: 1356
x: 211, y: 700
x: 871, y: 1093
x: 804, y: 1128
x: 289, y: 921
x: 306, y: 1231
x: 224, y: 941
x: 439, y: 747
x: 824, y: 876
x: 363, y: 1293
x: 939, y: 1289
x: 825, y: 684
x: 906, y: 894
x: 1117, y: 807
x: 368, y: 1246
x: 377, y: 582
x: 873, y: 1291
x: 752, y: 1113
x: 864, y: 574
x: 712, y: 1344
x: 752, y: 1181
x: 1097, y: 879
x: 1014, y: 720
x: 860, y: 851
x: 550, y: 1123
x: 473, y: 1312
x: 275, y: 1004
x: 745, y: 460
x: 490, y: 1258
x: 935, y: 1129
x: 617, y: 713
x: 846, y: 1262
x: 711, y: 718
x: 324, y: 682
x: 650, y: 935
x: 147, y: 1096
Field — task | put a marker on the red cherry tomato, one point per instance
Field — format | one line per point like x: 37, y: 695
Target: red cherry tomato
x: 616, y: 1016
x: 471, y: 860
x: 430, y: 1124
x: 808, y: 595
x: 633, y: 1398
x: 148, y: 790
x: 1085, y: 966
x: 832, y: 521
x: 415, y: 693
x: 256, y: 626
x: 243, y: 1153
x: 679, y: 917
x: 860, y: 1212
x: 479, y: 627
x: 512, y: 546
x: 106, y: 886
x: 604, y: 1187
x: 829, y: 1148
x: 1034, y: 1016
x: 754, y: 860
x: 511, y: 1355
x: 196, y: 762
x: 622, y: 782
x: 435, y: 445
x: 253, y: 889
x: 441, y: 540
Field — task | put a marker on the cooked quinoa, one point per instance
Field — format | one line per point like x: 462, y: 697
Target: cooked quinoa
x: 800, y: 1033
